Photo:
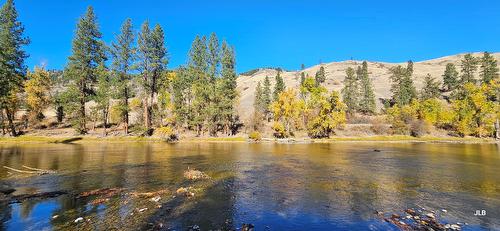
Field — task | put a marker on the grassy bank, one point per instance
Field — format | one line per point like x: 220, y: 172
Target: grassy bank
x: 93, y: 139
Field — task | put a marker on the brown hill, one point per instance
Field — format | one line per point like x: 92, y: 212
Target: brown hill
x: 335, y: 73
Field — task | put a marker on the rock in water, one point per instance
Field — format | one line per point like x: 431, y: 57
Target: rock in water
x: 80, y: 219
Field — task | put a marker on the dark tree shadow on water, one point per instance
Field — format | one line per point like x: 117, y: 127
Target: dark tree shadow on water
x: 210, y: 209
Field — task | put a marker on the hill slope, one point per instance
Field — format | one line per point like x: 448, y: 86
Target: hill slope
x: 335, y: 73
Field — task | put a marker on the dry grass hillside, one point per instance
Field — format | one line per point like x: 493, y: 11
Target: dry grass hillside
x: 335, y: 72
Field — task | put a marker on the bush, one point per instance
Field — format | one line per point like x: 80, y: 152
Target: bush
x: 255, y: 135
x: 166, y: 133
x: 419, y: 128
x: 279, y: 130
x: 379, y: 127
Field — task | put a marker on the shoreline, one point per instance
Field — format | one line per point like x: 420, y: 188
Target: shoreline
x: 241, y: 139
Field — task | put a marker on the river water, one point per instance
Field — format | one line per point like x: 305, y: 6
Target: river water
x: 272, y: 186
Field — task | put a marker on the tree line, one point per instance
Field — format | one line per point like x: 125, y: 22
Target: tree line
x: 128, y: 75
x: 105, y: 84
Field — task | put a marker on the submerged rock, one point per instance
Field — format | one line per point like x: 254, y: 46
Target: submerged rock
x: 78, y: 220
x: 193, y: 174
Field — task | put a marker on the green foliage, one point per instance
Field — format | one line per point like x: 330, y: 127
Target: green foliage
x: 12, y: 56
x: 430, y: 89
x: 279, y: 86
x: 489, y: 68
x: 469, y: 67
x: 450, y: 77
x: 320, y: 76
x: 350, y: 92
x: 123, y: 52
x: 402, y: 88
x: 367, y: 96
x: 87, y: 53
x: 258, y: 103
x: 266, y: 96
x: 152, y: 64
x: 103, y: 95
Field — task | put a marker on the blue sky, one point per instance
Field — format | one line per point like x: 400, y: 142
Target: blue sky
x: 281, y: 33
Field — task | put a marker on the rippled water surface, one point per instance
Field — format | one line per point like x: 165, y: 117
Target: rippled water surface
x: 273, y: 186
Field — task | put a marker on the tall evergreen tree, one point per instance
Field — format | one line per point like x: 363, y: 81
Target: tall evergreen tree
x: 228, y: 90
x: 214, y: 56
x: 302, y: 75
x: 201, y: 88
x: 489, y: 68
x: 469, y: 67
x: 103, y: 95
x: 367, y: 100
x: 320, y: 76
x: 279, y: 85
x: 258, y: 104
x: 402, y: 88
x: 123, y: 52
x: 450, y: 77
x: 350, y: 91
x: 430, y: 89
x: 12, y: 56
x: 266, y: 97
x: 152, y: 65
x: 88, y: 52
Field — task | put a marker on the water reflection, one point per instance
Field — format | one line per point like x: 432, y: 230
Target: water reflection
x: 278, y: 186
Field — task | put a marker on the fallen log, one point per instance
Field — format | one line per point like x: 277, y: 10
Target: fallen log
x: 23, y: 171
x: 43, y: 195
x: 40, y: 170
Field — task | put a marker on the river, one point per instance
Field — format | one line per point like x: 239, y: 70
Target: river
x: 272, y: 186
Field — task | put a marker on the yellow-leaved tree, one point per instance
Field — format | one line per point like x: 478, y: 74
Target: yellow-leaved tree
x: 475, y: 112
x: 38, y: 97
x: 287, y: 111
x: 328, y: 113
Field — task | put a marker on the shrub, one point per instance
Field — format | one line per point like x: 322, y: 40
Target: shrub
x: 279, y: 130
x: 419, y: 128
x: 379, y: 127
x: 166, y: 133
x: 255, y: 135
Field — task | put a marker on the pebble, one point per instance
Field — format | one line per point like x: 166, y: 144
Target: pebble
x: 80, y: 219
x: 455, y: 227
x: 408, y: 216
x: 142, y: 210
x: 430, y: 215
x: 55, y: 216
x: 156, y: 199
x: 444, y: 210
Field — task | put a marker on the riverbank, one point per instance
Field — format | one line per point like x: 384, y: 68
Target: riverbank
x: 118, y: 139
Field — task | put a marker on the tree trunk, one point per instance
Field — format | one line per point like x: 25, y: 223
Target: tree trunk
x: 126, y: 112
x: 497, y: 129
x: 105, y: 122
x: 83, y: 128
x: 10, y: 118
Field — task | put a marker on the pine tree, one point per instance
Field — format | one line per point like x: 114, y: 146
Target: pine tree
x: 320, y: 76
x: 302, y: 74
x: 350, y: 91
x: 266, y: 97
x: 258, y: 103
x: 450, y: 77
x: 402, y: 88
x: 12, y: 56
x: 152, y: 64
x: 37, y: 89
x: 103, y: 95
x: 214, y: 57
x: 279, y: 86
x: 469, y: 67
x: 87, y: 54
x: 430, y: 89
x: 123, y: 52
x: 228, y: 93
x: 367, y: 100
x: 489, y: 68
x: 201, y: 88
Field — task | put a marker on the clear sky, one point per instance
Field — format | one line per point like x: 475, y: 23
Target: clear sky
x: 278, y: 33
